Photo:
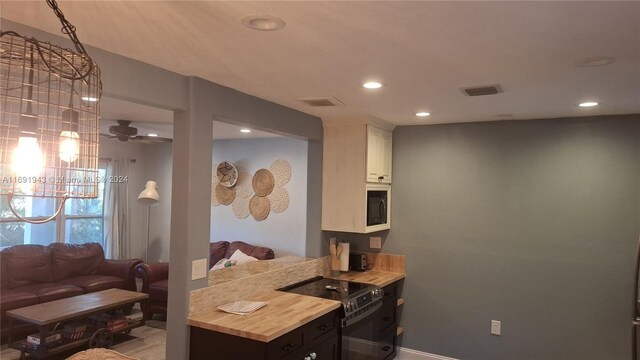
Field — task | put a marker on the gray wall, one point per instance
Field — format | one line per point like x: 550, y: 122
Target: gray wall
x: 534, y: 223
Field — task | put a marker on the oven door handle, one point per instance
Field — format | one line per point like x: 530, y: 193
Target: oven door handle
x: 355, y: 318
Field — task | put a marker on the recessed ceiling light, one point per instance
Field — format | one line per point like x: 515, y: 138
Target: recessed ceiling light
x: 588, y: 104
x: 422, y: 114
x: 89, y: 98
x: 372, y: 85
x: 263, y: 22
x: 246, y: 131
x: 152, y: 135
x: 595, y: 61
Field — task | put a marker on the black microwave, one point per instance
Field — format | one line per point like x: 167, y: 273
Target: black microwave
x: 377, y: 203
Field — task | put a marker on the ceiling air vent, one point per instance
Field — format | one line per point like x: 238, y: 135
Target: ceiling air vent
x: 322, y: 101
x: 482, y: 90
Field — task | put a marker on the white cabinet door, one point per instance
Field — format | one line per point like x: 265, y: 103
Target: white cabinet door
x: 378, y: 155
x: 374, y: 153
x: 354, y: 157
x: 386, y: 157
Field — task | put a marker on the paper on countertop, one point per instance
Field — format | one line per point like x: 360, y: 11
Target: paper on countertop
x: 242, y: 307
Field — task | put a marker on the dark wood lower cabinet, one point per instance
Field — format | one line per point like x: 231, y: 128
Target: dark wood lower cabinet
x: 317, y: 340
x: 326, y: 350
x: 388, y: 322
x: 320, y: 339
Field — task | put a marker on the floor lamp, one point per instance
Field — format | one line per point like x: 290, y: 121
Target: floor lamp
x: 149, y: 197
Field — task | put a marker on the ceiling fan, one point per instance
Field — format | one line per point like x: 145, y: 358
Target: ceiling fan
x: 124, y: 132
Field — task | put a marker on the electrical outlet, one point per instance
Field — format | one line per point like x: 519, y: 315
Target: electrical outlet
x: 198, y: 269
x: 375, y: 242
x: 496, y: 327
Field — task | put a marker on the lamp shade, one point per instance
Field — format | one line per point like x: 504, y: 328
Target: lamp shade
x: 149, y: 196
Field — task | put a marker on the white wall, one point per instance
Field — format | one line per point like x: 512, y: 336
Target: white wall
x: 153, y: 162
x: 284, y: 232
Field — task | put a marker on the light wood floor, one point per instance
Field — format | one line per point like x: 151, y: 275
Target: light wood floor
x: 148, y: 343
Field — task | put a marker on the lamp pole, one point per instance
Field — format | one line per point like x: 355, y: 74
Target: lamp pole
x: 146, y: 252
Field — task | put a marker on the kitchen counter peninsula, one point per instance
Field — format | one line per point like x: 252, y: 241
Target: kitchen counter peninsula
x: 283, y: 313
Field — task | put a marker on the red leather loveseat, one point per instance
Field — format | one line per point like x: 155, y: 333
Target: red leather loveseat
x: 155, y: 276
x: 33, y: 274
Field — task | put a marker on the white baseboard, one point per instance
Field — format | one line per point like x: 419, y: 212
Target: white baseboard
x: 410, y: 354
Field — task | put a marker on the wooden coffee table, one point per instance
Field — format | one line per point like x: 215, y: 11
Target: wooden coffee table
x: 46, y: 315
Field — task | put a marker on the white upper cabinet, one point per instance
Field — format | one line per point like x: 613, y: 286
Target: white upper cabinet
x: 356, y: 158
x: 378, y: 155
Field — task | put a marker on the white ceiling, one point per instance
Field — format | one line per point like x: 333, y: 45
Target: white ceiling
x: 423, y: 52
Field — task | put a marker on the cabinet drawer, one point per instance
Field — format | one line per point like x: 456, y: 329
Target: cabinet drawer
x: 326, y: 350
x: 323, y: 325
x: 286, y: 344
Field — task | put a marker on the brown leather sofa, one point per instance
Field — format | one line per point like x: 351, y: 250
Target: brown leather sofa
x: 33, y: 274
x: 155, y: 276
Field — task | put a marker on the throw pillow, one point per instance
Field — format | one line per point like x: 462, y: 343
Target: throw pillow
x: 217, y: 250
x: 223, y: 263
x: 241, y: 258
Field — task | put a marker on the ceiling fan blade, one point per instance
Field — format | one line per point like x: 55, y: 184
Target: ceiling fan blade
x: 108, y: 136
x: 152, y: 139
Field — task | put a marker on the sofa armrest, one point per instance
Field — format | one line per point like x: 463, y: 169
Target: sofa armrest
x: 124, y: 269
x: 150, y: 273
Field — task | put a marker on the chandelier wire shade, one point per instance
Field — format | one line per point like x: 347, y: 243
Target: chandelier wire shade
x: 49, y: 117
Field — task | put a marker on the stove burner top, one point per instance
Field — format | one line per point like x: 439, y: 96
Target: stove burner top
x: 328, y: 288
x: 358, y: 299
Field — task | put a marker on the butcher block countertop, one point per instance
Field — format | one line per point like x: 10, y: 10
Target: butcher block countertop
x: 375, y: 277
x: 284, y: 312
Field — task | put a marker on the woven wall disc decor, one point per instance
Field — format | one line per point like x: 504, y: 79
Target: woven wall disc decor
x: 263, y: 182
x: 243, y: 186
x: 214, y: 184
x: 256, y: 195
x: 281, y: 170
x: 227, y: 174
x: 279, y: 199
x: 225, y: 195
x: 259, y: 207
x: 241, y: 207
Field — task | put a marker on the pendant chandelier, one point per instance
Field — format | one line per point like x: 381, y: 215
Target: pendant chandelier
x: 49, y: 119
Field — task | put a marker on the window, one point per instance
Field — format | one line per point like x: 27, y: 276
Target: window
x: 80, y: 221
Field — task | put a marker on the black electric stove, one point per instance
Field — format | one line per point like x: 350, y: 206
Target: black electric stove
x: 358, y: 299
x: 327, y: 288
